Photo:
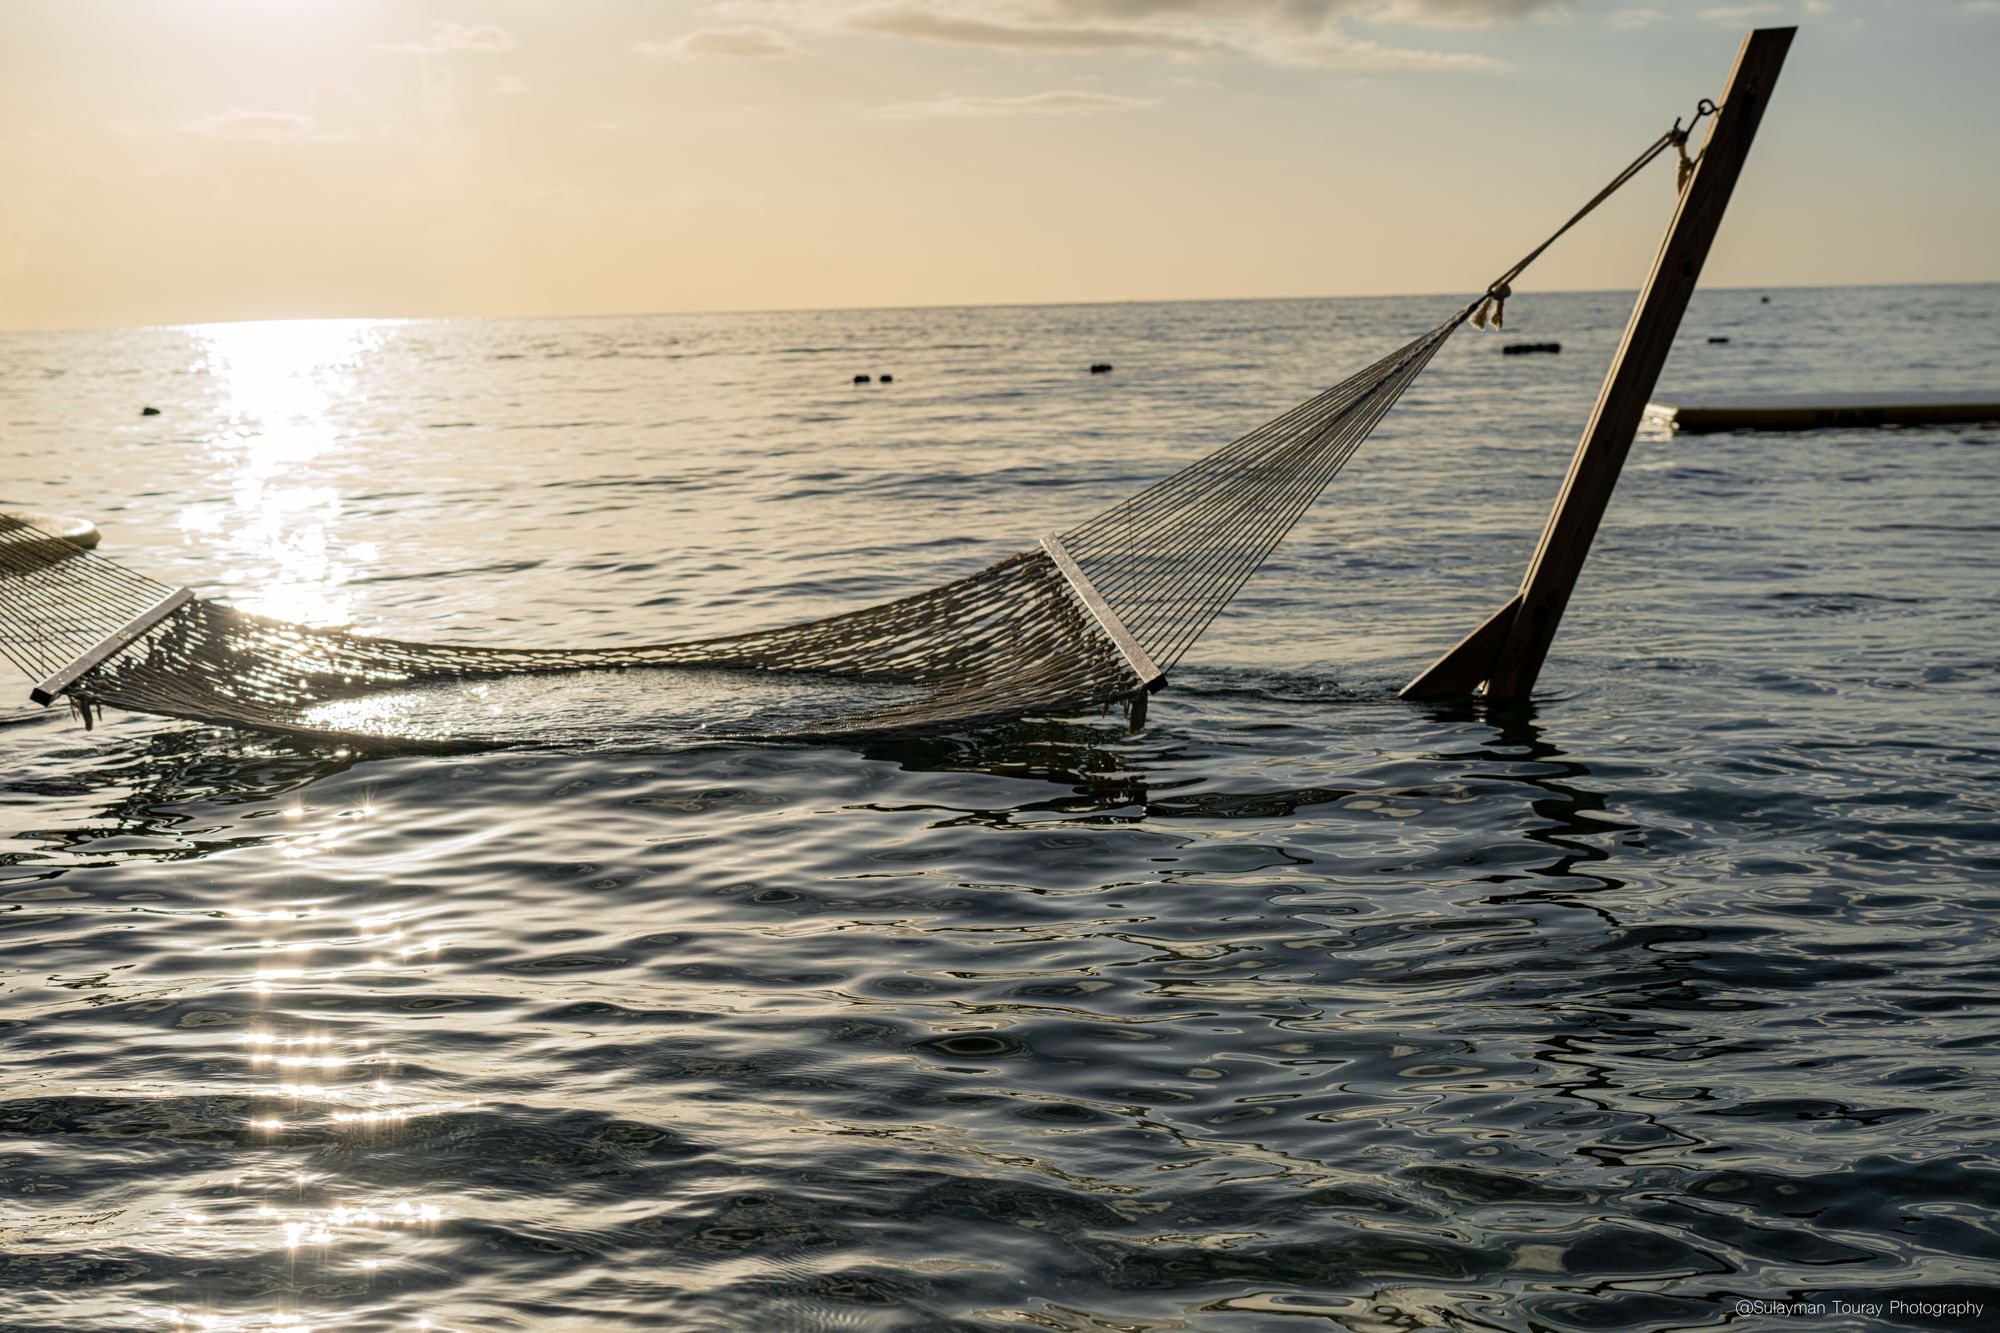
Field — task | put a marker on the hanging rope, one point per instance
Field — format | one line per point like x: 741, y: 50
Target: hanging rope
x: 1491, y: 307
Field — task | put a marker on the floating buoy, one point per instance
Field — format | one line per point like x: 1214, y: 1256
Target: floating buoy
x: 1100, y: 367
x: 887, y: 379
x: 1523, y: 349
x: 1718, y: 340
x: 149, y: 411
x: 1763, y: 300
x: 860, y: 379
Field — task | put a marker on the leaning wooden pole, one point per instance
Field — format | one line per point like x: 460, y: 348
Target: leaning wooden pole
x: 1506, y: 652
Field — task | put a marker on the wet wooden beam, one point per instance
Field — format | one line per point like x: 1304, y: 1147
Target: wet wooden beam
x: 110, y: 645
x: 1509, y: 664
x: 1150, y: 676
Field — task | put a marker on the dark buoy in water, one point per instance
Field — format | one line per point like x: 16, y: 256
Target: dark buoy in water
x: 885, y: 379
x: 1718, y: 340
x: 1523, y: 349
x: 1100, y: 367
x: 860, y: 379
x: 149, y: 411
x: 1763, y: 300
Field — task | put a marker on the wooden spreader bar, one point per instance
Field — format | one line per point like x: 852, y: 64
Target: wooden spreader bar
x: 110, y: 645
x: 1151, y: 678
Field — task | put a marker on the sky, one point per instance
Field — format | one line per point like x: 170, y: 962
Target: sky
x: 175, y: 161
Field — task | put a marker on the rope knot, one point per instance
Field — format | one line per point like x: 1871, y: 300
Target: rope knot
x: 1493, y: 308
x: 1685, y: 168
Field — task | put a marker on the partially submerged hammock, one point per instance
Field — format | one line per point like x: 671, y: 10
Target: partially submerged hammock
x: 1092, y: 616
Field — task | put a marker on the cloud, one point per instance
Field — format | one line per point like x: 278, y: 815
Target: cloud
x: 1312, y: 14
x: 1636, y: 18
x: 447, y: 37
x: 1334, y: 51
x: 235, y: 123
x: 1035, y: 104
x: 1456, y: 13
x: 928, y: 25
x: 332, y: 114
x: 1733, y: 14
x: 1286, y: 32
x: 721, y: 43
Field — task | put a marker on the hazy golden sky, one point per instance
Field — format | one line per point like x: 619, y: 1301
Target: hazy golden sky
x: 180, y: 160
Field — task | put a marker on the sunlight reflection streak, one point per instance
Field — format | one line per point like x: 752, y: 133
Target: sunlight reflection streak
x: 283, y: 386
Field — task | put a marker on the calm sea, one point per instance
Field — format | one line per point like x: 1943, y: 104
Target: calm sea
x: 1304, y: 1008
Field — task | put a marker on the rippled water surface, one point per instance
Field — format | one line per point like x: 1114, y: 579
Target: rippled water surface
x: 1302, y: 1008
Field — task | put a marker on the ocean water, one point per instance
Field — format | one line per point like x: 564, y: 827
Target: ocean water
x: 1302, y: 1008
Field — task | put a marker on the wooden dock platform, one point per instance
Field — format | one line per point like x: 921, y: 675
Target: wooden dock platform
x: 1811, y: 411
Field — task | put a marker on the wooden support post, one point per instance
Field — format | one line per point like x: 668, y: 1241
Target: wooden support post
x: 1506, y: 652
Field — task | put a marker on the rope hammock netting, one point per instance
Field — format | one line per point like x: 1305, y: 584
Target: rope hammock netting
x: 1093, y: 616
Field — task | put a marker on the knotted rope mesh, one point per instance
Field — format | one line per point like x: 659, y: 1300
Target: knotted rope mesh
x: 1095, y: 616
x: 1021, y: 636
x: 1171, y: 557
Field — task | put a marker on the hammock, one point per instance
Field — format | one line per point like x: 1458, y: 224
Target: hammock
x: 1093, y: 616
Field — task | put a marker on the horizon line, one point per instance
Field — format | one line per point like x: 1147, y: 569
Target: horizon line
x: 957, y: 305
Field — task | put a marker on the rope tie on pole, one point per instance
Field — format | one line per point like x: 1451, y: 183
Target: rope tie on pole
x: 1486, y: 312
x: 1684, y: 170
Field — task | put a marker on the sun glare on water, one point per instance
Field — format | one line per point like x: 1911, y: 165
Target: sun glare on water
x: 280, y: 387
